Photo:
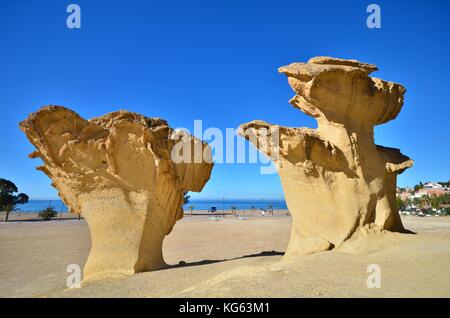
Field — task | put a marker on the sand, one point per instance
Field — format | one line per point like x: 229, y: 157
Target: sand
x: 232, y: 258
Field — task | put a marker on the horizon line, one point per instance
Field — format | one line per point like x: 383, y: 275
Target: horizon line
x: 194, y: 199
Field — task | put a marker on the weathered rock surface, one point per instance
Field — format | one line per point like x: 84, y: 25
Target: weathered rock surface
x: 336, y: 181
x: 116, y: 170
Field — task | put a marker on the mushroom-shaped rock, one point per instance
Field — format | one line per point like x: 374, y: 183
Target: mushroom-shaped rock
x: 335, y: 179
x: 118, y: 172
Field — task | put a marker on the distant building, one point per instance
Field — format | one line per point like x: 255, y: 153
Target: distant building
x: 433, y: 191
x: 418, y: 195
x: 429, y: 189
x: 433, y: 185
x: 404, y: 195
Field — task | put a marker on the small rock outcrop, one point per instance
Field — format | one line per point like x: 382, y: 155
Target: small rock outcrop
x: 116, y: 170
x: 336, y: 181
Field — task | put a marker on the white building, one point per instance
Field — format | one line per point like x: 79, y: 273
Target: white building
x: 432, y: 185
x: 418, y: 195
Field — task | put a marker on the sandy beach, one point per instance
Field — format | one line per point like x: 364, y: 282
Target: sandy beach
x: 231, y: 257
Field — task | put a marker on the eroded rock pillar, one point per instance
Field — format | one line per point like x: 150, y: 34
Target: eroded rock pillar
x: 336, y: 181
x: 118, y: 172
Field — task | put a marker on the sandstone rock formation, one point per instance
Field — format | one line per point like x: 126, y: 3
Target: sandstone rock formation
x: 336, y: 181
x: 116, y: 170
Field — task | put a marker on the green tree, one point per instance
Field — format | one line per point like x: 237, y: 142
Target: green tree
x: 8, y: 199
x: 400, y: 203
x: 445, y: 199
x: 424, y: 202
x: 418, y: 186
x: 48, y: 213
x: 435, y: 201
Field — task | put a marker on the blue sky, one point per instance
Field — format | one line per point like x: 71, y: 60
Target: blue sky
x: 217, y: 61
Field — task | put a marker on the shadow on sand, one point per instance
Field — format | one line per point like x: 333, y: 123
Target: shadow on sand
x: 40, y: 220
x: 207, y: 261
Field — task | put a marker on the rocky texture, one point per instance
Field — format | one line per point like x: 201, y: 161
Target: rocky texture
x: 117, y: 171
x: 336, y: 181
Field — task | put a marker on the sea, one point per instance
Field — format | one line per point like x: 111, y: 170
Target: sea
x: 220, y: 204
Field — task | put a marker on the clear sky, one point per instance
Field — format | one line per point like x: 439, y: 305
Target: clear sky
x: 217, y: 61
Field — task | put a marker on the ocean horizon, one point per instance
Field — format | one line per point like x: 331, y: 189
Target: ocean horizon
x: 219, y: 204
